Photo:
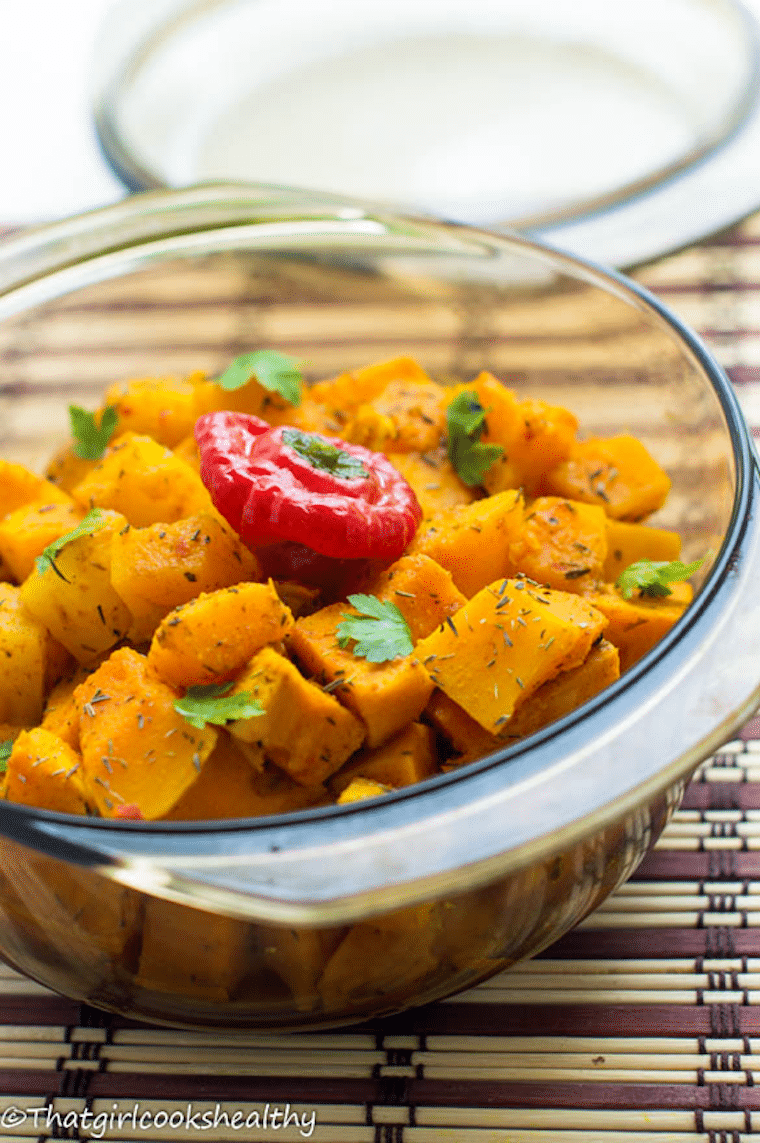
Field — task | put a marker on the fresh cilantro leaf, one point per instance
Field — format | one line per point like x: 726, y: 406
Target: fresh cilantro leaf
x: 323, y: 455
x: 214, y: 703
x: 92, y: 522
x: 466, y: 423
x: 275, y: 371
x: 380, y: 631
x: 5, y: 753
x: 651, y: 577
x: 91, y: 438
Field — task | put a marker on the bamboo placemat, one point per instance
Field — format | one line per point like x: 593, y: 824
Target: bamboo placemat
x: 641, y: 1026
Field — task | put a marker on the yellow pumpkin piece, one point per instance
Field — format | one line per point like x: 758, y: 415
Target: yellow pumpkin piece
x: 159, y: 407
x: 298, y: 957
x: 187, y: 451
x: 407, y: 758
x: 472, y: 542
x: 192, y: 953
x: 19, y: 486
x: 61, y: 714
x: 9, y: 731
x: 300, y: 599
x: 26, y: 532
x: 374, y: 961
x: 423, y: 591
x: 629, y: 543
x: 309, y: 417
x: 44, y: 771
x: 65, y: 470
x: 77, y: 603
x: 343, y: 394
x: 385, y: 696
x: 464, y: 735
x: 566, y: 692
x: 157, y: 568
x: 360, y: 788
x: 616, y: 473
x: 145, y: 481
x: 304, y: 730
x: 136, y: 749
x: 636, y: 624
x: 562, y: 543
x: 520, y: 636
x: 434, y: 480
x: 250, y: 398
x: 32, y: 661
x: 404, y: 417
x: 214, y: 635
x: 534, y: 436
x: 228, y: 786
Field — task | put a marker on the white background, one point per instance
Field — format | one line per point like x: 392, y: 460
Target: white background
x: 51, y: 165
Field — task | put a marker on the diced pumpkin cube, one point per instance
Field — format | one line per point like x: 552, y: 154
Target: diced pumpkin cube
x: 534, y: 436
x: 159, y: 407
x: 19, y: 486
x: 77, y: 602
x: 26, y: 532
x: 32, y: 661
x: 192, y: 953
x: 629, y: 543
x: 61, y: 714
x: 407, y: 758
x: 145, y: 481
x: 403, y: 417
x: 472, y: 542
x: 423, y: 591
x: 372, y: 962
x: 228, y: 786
x: 251, y: 398
x: 436, y: 484
x: 635, y: 625
x: 43, y: 770
x: 463, y: 734
x: 214, y: 635
x: 565, y: 693
x: 385, y: 696
x: 66, y: 469
x: 304, y: 730
x: 360, y: 788
x: 343, y: 394
x: 562, y: 543
x: 157, y: 568
x: 136, y: 748
x: 187, y: 451
x: 504, y: 643
x: 616, y: 473
x: 298, y: 957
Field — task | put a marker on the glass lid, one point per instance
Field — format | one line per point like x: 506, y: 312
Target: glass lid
x: 585, y: 123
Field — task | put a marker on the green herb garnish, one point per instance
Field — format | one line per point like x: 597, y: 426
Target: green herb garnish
x: 466, y: 423
x: 91, y: 438
x: 92, y: 522
x: 274, y: 371
x: 323, y: 455
x: 380, y: 631
x: 651, y: 577
x: 5, y: 753
x: 214, y: 703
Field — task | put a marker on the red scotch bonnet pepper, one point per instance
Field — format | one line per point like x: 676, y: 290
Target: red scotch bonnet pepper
x: 276, y: 485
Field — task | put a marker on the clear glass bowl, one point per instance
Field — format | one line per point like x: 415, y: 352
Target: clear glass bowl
x: 340, y: 913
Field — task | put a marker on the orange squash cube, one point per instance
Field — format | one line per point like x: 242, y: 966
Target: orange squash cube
x: 616, y: 473
x: 562, y: 543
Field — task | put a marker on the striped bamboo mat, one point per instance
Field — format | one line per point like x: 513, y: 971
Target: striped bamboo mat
x: 642, y: 1026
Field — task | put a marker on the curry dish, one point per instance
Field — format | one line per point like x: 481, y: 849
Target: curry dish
x: 234, y: 597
